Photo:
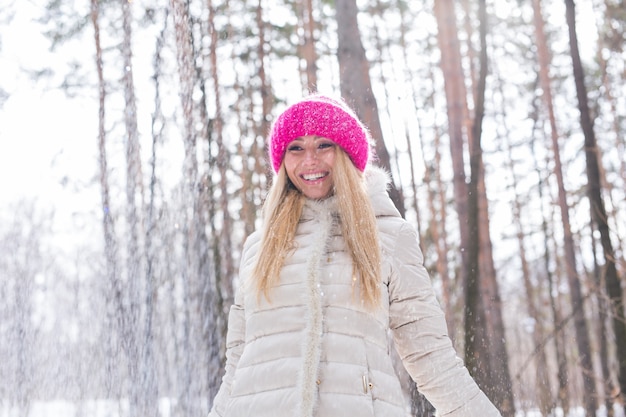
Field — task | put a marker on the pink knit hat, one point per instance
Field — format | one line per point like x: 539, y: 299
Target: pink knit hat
x: 320, y: 116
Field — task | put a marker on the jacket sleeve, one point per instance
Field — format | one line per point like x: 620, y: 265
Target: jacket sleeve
x: 235, y: 337
x: 421, y: 336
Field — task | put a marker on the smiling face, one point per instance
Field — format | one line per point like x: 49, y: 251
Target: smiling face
x: 309, y: 162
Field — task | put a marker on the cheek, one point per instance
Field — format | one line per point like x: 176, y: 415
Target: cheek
x: 330, y: 159
x: 289, y: 168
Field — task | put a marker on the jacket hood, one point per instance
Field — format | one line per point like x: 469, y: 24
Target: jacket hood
x: 378, y: 181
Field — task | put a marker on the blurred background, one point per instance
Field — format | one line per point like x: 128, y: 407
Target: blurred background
x: 133, y: 166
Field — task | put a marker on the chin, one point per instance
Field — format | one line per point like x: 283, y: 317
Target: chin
x: 317, y: 196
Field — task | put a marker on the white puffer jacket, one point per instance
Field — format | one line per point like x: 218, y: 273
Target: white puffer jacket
x: 315, y: 350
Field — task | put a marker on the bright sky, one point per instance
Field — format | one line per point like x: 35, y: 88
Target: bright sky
x: 44, y: 137
x: 48, y: 143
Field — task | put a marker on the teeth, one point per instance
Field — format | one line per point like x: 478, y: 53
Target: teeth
x: 312, y: 177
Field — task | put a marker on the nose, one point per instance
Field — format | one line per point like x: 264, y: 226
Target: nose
x: 310, y: 155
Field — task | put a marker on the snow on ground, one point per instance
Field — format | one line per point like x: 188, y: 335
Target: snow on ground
x: 106, y: 408
x: 87, y: 408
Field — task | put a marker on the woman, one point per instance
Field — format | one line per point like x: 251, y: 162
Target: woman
x: 333, y: 271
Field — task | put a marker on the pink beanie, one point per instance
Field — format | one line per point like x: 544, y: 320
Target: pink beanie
x: 320, y: 116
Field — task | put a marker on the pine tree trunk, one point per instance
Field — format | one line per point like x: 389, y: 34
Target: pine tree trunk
x: 501, y: 386
x: 223, y: 162
x: 266, y: 101
x: 190, y: 232
x: 149, y: 371
x: 356, y: 86
x: 436, y: 191
x: 602, y: 336
x: 384, y: 82
x: 438, y: 218
x: 580, y: 324
x: 108, y: 222
x: 543, y: 390
x: 562, y: 395
x: 545, y: 82
x: 455, y: 98
x: 599, y: 215
x: 476, y: 351
x: 134, y: 205
x: 308, y: 48
x: 404, y: 25
x: 582, y: 333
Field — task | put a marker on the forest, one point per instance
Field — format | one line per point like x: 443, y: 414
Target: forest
x: 502, y: 124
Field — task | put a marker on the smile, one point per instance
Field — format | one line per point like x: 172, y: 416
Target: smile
x: 315, y: 176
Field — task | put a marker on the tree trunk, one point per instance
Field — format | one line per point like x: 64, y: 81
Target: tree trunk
x: 596, y: 202
x: 438, y: 219
x: 501, y: 387
x: 190, y: 184
x: 219, y: 294
x: 582, y: 333
x: 355, y: 84
x: 149, y: 371
x: 404, y: 25
x: 382, y: 47
x: 559, y: 344
x: 223, y: 162
x: 108, y: 222
x: 602, y: 336
x: 134, y: 205
x: 543, y: 390
x: 436, y: 198
x: 545, y: 82
x: 455, y: 98
x: 475, y: 354
x: 580, y: 324
x: 308, y: 48
x: 266, y: 101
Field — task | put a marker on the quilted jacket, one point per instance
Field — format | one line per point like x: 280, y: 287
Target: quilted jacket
x: 316, y: 350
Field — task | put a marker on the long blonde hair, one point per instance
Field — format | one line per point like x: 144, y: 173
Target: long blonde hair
x: 282, y: 211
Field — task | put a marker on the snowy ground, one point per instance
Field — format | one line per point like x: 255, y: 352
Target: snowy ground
x: 88, y: 408
x: 104, y: 408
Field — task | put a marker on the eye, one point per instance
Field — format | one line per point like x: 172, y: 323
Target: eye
x: 294, y: 148
x: 326, y: 145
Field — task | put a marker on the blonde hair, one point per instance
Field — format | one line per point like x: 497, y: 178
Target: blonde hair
x: 282, y: 211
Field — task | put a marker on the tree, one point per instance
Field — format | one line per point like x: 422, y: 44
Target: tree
x: 599, y: 215
x: 150, y: 301
x: 570, y: 256
x: 216, y: 287
x: 456, y: 103
x: 308, y: 47
x: 108, y: 223
x: 485, y: 351
x: 480, y: 238
x: 542, y: 384
x: 130, y: 295
x: 450, y: 64
x: 356, y: 86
